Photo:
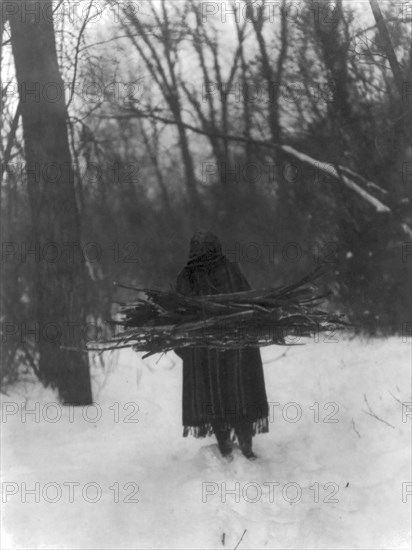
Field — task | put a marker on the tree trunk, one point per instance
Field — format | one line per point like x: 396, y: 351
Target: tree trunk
x: 60, y: 268
x: 387, y: 45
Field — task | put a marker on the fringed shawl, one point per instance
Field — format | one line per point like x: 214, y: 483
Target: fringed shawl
x: 224, y: 386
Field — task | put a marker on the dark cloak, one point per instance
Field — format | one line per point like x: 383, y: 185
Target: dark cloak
x: 227, y: 387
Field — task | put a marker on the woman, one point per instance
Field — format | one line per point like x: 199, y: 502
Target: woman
x: 223, y: 391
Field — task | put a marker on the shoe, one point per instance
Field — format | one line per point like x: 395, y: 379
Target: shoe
x: 246, y: 448
x: 228, y: 457
x: 225, y: 447
x: 250, y: 455
x: 244, y: 434
x: 224, y: 442
x: 245, y: 444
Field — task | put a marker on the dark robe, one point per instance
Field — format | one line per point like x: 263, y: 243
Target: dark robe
x: 224, y: 387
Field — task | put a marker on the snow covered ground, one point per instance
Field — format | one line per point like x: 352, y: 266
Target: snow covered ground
x: 119, y: 475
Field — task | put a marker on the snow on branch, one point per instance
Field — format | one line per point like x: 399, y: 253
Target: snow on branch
x: 343, y: 174
x: 407, y: 230
x: 332, y: 171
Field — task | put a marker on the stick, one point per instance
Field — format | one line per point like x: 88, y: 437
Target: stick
x: 371, y: 413
x: 240, y: 540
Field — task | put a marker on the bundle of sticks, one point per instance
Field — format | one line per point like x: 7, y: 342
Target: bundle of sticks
x: 158, y: 321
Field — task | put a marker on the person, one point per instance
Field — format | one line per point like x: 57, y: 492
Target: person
x: 223, y: 391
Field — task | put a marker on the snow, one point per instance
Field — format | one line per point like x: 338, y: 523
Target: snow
x: 331, y: 170
x: 182, y: 494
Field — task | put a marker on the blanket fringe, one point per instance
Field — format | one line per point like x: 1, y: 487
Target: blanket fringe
x: 260, y: 426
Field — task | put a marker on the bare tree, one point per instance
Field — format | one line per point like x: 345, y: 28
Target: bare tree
x: 59, y: 282
x: 387, y: 44
x: 161, y: 63
x: 272, y: 72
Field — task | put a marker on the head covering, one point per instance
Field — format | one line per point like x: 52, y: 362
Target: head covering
x: 205, y: 247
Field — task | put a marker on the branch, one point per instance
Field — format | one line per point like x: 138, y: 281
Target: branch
x: 76, y: 56
x: 387, y: 44
x: 371, y: 413
x: 11, y: 136
x: 240, y: 540
x: 324, y: 167
x: 332, y: 171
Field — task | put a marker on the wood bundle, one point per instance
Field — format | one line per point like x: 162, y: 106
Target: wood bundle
x: 161, y: 321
